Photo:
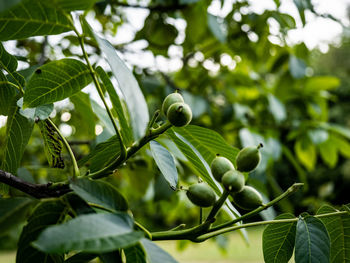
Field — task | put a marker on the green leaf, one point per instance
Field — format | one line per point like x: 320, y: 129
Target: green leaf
x: 18, y: 130
x: 278, y: 240
x: 68, y: 5
x: 5, y: 4
x: 336, y: 128
x: 89, y: 233
x: 126, y: 130
x: 312, y: 243
x: 81, y: 258
x: 41, y: 112
x: 297, y: 67
x: 52, y: 144
x: 329, y: 152
x: 165, y: 162
x: 9, y: 64
x: 208, y: 142
x: 134, y: 98
x: 196, y: 26
x: 303, y: 5
x: 306, y: 153
x: 7, y: 94
x: 338, y: 228
x: 7, y: 61
x: 47, y: 213
x: 100, y: 193
x: 12, y: 212
x: 135, y: 254
x: 342, y: 145
x: 319, y: 83
x: 155, y: 254
x: 102, y: 154
x: 217, y: 28
x: 56, y: 81
x: 32, y: 18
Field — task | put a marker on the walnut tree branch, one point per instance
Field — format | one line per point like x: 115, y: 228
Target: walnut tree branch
x: 35, y: 190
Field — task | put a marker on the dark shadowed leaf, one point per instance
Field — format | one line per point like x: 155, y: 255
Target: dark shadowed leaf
x: 47, y: 213
x: 81, y: 258
x: 13, y: 211
x: 52, y: 144
x: 102, y: 154
x: 56, y: 81
x: 165, y: 162
x: 312, y: 243
x: 18, y: 132
x: 338, y: 228
x: 89, y: 233
x: 278, y: 240
x: 135, y: 254
x: 32, y: 18
x: 100, y: 193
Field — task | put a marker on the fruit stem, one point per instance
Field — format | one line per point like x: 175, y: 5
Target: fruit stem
x: 153, y: 120
x: 269, y: 222
x: 260, y: 146
x: 218, y: 204
x: 295, y: 187
x: 154, y: 133
x: 100, y: 93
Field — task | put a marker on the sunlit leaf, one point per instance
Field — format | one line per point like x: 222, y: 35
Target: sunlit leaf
x: 56, y: 81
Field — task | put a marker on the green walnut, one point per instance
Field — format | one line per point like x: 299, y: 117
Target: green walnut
x: 219, y: 166
x: 233, y: 181
x: 248, y: 198
x: 201, y: 195
x: 179, y: 114
x: 170, y: 100
x: 248, y: 158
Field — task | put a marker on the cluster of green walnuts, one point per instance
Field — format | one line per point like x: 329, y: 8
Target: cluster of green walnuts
x: 245, y: 197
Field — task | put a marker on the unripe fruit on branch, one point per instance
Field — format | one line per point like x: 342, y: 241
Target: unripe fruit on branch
x: 170, y: 100
x: 248, y: 198
x: 219, y: 166
x: 201, y: 195
x: 233, y: 181
x: 248, y: 158
x: 179, y: 114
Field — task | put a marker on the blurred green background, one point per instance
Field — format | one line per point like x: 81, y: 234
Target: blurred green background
x: 243, y: 75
